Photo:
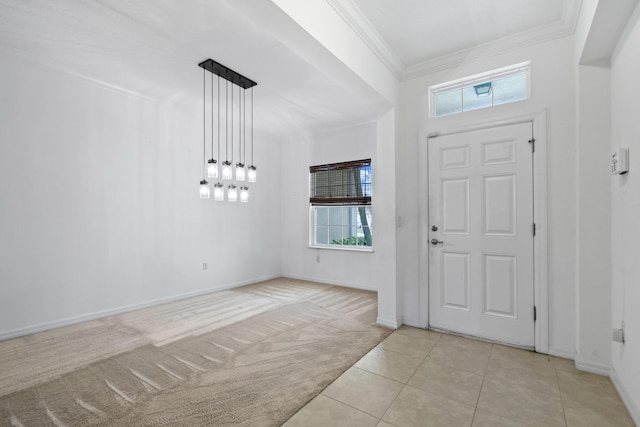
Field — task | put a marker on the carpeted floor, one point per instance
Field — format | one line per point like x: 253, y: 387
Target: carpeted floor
x: 251, y: 356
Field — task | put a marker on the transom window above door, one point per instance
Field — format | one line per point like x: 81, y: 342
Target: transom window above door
x: 496, y: 87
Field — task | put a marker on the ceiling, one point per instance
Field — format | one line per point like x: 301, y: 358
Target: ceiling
x: 419, y: 30
x: 152, y: 47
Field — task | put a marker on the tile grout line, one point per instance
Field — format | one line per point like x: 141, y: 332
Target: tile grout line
x: 351, y: 406
x: 484, y: 375
x: 369, y: 372
x: 555, y: 371
x: 404, y: 386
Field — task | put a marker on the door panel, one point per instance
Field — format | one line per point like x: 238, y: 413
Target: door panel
x: 455, y: 157
x: 481, y: 261
x: 499, y: 285
x: 455, y: 274
x: 455, y: 204
x: 499, y: 205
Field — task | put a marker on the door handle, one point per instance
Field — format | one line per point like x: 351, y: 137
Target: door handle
x: 436, y: 241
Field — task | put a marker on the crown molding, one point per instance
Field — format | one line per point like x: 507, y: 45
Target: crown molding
x: 542, y: 34
x: 355, y: 19
x: 571, y: 14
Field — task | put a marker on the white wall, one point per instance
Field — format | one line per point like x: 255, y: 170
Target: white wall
x: 367, y: 270
x: 100, y: 209
x: 351, y: 268
x: 593, y: 221
x: 552, y: 73
x: 390, y: 291
x: 625, y: 125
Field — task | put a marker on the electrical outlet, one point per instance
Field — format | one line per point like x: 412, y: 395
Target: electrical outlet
x: 205, y: 266
x: 618, y: 334
x: 317, y: 258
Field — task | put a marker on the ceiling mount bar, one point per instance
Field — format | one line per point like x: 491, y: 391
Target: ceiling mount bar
x: 227, y: 73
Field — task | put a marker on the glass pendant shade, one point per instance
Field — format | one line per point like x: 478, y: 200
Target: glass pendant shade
x: 231, y: 109
x: 244, y: 194
x: 232, y: 193
x: 218, y: 192
x: 204, y: 189
x: 227, y: 170
x: 240, y: 172
x: 212, y: 168
x: 252, y: 174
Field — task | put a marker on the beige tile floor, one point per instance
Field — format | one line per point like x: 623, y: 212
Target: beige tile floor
x: 422, y: 378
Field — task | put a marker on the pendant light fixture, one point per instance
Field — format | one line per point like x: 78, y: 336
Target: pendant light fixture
x: 204, y: 185
x: 212, y: 168
x: 232, y: 193
x: 204, y: 189
x: 252, y: 173
x: 218, y: 192
x: 212, y: 164
x: 244, y: 194
x: 218, y: 188
x: 240, y: 172
x: 244, y: 190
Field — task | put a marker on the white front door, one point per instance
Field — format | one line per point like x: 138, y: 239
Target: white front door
x: 481, y: 234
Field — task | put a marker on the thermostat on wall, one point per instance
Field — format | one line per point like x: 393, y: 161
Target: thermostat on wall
x: 620, y: 161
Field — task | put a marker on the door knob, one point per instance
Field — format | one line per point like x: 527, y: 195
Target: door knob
x: 436, y: 241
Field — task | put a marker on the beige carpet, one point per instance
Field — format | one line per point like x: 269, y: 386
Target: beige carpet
x: 251, y: 356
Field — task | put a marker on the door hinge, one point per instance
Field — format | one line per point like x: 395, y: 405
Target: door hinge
x: 534, y: 229
x: 532, y: 141
x: 535, y: 316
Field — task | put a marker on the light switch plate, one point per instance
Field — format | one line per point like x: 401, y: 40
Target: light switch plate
x: 620, y: 161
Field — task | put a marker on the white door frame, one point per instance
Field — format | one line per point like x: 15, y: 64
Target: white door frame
x: 541, y: 283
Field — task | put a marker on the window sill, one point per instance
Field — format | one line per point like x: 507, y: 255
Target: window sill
x: 342, y: 248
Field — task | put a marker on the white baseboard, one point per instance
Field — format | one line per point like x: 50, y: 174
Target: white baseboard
x: 389, y: 323
x: 594, y: 368
x: 332, y: 282
x: 634, y: 411
x: 5, y: 335
x: 565, y: 354
x: 581, y: 365
x: 415, y: 324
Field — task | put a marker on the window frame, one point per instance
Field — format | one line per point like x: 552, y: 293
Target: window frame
x: 341, y: 201
x: 313, y: 228
x: 460, y: 84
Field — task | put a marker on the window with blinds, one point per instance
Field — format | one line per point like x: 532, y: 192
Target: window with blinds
x: 340, y: 203
x: 346, y: 183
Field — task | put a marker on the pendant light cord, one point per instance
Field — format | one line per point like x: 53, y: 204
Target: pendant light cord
x: 204, y: 124
x: 226, y: 121
x: 211, y: 115
x: 218, y: 118
x: 244, y: 128
x: 232, y: 131
x: 239, y: 126
x: 252, y: 126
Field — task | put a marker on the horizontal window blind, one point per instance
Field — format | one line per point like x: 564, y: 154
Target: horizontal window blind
x: 346, y: 183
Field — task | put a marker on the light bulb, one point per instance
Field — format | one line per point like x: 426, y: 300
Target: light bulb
x: 227, y: 170
x: 252, y: 174
x: 212, y: 168
x: 240, y: 172
x: 244, y: 194
x: 232, y: 193
x: 218, y: 192
x: 204, y: 189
